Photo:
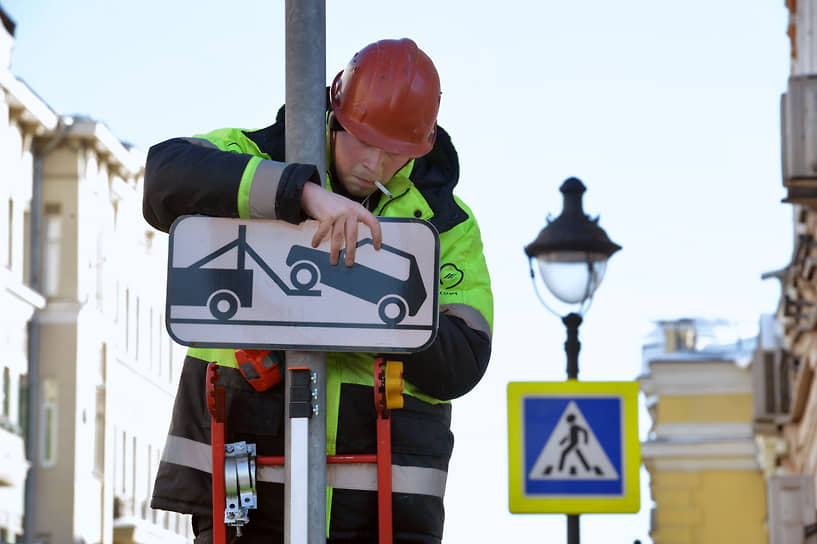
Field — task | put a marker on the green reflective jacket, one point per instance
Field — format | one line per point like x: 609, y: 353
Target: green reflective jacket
x: 237, y: 173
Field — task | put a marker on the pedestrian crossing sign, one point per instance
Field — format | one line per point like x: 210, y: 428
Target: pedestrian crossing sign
x: 573, y: 447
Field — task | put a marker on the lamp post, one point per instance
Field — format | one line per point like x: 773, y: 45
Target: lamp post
x: 572, y: 253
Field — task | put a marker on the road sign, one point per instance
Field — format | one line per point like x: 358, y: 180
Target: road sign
x: 260, y: 284
x: 573, y: 447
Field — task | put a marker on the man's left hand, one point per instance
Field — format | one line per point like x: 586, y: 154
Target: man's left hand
x: 338, y: 219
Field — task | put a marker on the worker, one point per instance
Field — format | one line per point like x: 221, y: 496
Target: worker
x: 381, y: 127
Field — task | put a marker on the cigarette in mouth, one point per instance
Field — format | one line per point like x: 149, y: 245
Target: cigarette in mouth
x: 383, y: 189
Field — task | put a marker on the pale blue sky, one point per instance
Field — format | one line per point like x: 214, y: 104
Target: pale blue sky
x: 668, y: 111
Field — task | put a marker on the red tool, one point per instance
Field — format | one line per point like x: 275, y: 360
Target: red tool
x: 388, y: 395
x: 259, y: 367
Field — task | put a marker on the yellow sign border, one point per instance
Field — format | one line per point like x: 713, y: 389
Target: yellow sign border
x: 628, y: 502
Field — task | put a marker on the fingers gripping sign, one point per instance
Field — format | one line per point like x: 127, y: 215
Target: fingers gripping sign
x: 338, y: 219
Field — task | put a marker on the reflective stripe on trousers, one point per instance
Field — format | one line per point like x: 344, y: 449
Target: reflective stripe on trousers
x: 355, y: 476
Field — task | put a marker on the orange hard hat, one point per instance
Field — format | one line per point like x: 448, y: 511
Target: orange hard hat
x: 388, y: 96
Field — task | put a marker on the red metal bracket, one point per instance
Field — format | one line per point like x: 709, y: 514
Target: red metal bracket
x: 388, y: 388
x: 388, y: 393
x: 216, y: 405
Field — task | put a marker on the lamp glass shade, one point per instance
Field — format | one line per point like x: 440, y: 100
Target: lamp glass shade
x: 572, y: 276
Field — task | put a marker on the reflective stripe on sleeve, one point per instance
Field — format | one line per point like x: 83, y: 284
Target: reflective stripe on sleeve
x: 188, y: 453
x: 472, y: 317
x: 355, y: 476
x: 263, y: 189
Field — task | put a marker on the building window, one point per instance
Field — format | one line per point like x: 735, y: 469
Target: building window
x: 154, y: 364
x: 134, y: 465
x: 103, y: 364
x: 48, y: 444
x: 149, y: 472
x: 10, y: 260
x: 48, y: 423
x: 170, y: 367
x: 99, y: 432
x: 123, y: 458
x: 26, y: 244
x: 22, y: 405
x: 51, y: 254
x: 138, y: 326
x: 100, y: 270
x: 128, y: 320
x: 5, y: 406
x: 160, y: 353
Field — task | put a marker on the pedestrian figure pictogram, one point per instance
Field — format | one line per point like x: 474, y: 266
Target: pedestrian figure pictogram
x: 572, y: 452
x: 573, y: 445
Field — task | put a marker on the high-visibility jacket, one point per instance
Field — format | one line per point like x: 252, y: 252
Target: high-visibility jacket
x: 237, y: 173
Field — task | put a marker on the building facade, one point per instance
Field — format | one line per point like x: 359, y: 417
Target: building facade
x: 18, y: 105
x: 786, y: 393
x: 701, y: 453
x: 777, y: 390
x: 88, y: 369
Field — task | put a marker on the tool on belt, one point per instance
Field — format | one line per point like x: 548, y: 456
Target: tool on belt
x: 260, y: 367
x: 234, y: 465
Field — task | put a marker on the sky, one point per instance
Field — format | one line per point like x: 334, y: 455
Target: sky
x: 667, y: 111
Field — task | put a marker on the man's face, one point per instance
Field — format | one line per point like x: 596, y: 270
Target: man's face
x: 359, y: 165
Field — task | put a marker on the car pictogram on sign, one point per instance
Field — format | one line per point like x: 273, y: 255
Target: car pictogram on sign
x: 394, y: 297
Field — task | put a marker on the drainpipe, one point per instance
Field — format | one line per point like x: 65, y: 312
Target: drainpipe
x: 63, y: 126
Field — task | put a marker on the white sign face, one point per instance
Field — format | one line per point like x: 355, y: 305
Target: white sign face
x: 238, y: 283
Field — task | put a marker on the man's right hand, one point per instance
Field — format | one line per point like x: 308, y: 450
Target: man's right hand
x: 338, y: 217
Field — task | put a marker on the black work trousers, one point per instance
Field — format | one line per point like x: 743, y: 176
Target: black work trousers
x: 203, y: 529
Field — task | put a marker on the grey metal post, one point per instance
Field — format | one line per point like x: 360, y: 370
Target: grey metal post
x: 306, y: 143
x: 572, y: 347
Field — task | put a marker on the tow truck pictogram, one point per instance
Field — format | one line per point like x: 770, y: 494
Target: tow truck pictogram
x: 224, y: 290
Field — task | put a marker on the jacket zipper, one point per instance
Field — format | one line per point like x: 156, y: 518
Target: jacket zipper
x: 383, y: 209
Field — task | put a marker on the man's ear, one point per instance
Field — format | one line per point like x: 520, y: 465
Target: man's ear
x: 334, y: 124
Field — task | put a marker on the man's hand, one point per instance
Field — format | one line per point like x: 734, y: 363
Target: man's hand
x: 338, y: 218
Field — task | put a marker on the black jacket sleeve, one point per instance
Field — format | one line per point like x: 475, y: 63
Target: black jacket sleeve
x: 184, y: 178
x: 453, y: 364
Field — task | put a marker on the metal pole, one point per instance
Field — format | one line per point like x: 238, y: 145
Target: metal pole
x: 572, y: 347
x: 572, y: 529
x: 306, y: 143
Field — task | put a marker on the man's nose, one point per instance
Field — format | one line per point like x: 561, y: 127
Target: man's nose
x: 373, y: 160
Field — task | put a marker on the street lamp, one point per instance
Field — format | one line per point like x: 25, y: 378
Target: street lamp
x: 572, y: 253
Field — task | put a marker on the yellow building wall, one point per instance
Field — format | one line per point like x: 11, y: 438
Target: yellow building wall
x: 717, y: 507
x: 725, y: 408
